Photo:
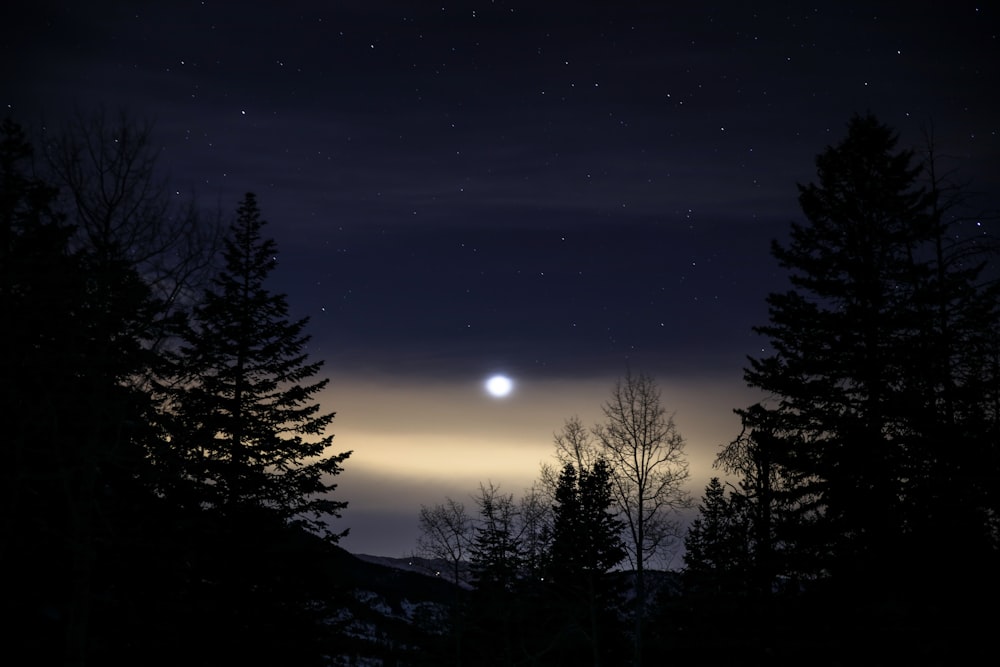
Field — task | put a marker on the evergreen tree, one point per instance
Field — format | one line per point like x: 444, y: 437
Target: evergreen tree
x: 40, y: 289
x: 586, y: 533
x: 586, y: 544
x: 496, y: 549
x: 717, y: 545
x: 245, y: 429
x: 644, y: 451
x: 954, y: 396
x: 79, y: 517
x: 535, y: 529
x: 770, y: 500
x: 496, y: 562
x: 876, y: 426
x: 246, y: 458
x: 843, y: 338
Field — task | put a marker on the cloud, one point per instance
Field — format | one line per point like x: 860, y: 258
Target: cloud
x: 417, y: 442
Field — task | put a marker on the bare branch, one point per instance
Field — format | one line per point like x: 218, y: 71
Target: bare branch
x: 445, y: 534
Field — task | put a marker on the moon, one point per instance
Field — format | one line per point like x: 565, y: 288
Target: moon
x: 499, y: 386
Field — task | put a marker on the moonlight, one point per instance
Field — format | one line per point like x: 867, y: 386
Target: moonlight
x: 499, y: 385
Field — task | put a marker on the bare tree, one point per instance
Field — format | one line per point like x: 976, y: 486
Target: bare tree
x: 124, y: 211
x: 575, y: 445
x: 142, y: 254
x: 445, y: 534
x: 642, y: 444
x: 645, y: 451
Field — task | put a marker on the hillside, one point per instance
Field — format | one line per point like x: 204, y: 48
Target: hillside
x: 395, y: 610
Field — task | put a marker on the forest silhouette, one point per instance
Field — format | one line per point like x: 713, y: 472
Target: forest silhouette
x: 169, y: 490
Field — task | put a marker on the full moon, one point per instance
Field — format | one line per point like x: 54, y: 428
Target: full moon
x: 499, y: 385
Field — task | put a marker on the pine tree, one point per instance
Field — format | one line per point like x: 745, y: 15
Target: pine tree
x: 586, y: 545
x: 770, y: 500
x: 496, y: 554
x: 245, y: 456
x: 496, y: 562
x: 844, y: 335
x: 40, y: 283
x: 644, y: 451
x: 954, y: 396
x: 40, y: 289
x: 716, y: 545
x: 77, y: 515
x: 586, y: 534
x: 881, y: 376
x: 246, y: 430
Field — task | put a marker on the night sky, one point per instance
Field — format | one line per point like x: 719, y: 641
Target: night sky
x: 557, y: 191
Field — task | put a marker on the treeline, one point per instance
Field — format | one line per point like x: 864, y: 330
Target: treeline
x: 166, y: 491
x: 866, y: 491
x: 169, y: 476
x: 857, y: 516
x: 543, y: 569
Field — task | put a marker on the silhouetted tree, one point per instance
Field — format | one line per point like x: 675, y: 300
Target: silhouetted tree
x: 76, y: 417
x: 645, y: 453
x: 123, y: 210
x: 586, y: 544
x: 501, y: 553
x: 777, y: 509
x: 496, y: 549
x: 717, y: 548
x: 247, y: 454
x: 446, y: 532
x: 496, y: 564
x: 244, y: 423
x: 535, y: 530
x: 89, y: 291
x: 955, y: 391
x: 41, y: 286
x: 575, y: 445
x: 865, y: 370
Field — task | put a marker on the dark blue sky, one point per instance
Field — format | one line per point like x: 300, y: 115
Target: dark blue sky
x: 559, y: 190
x: 555, y: 184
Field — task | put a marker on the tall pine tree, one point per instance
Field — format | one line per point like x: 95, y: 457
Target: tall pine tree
x: 246, y: 431
x: 246, y: 455
x: 586, y: 545
x: 843, y: 339
x: 496, y: 562
x: 75, y: 417
x: 880, y: 350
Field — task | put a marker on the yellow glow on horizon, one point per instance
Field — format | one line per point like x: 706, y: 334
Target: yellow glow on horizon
x: 446, y: 456
x: 417, y: 442
x: 452, y: 429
